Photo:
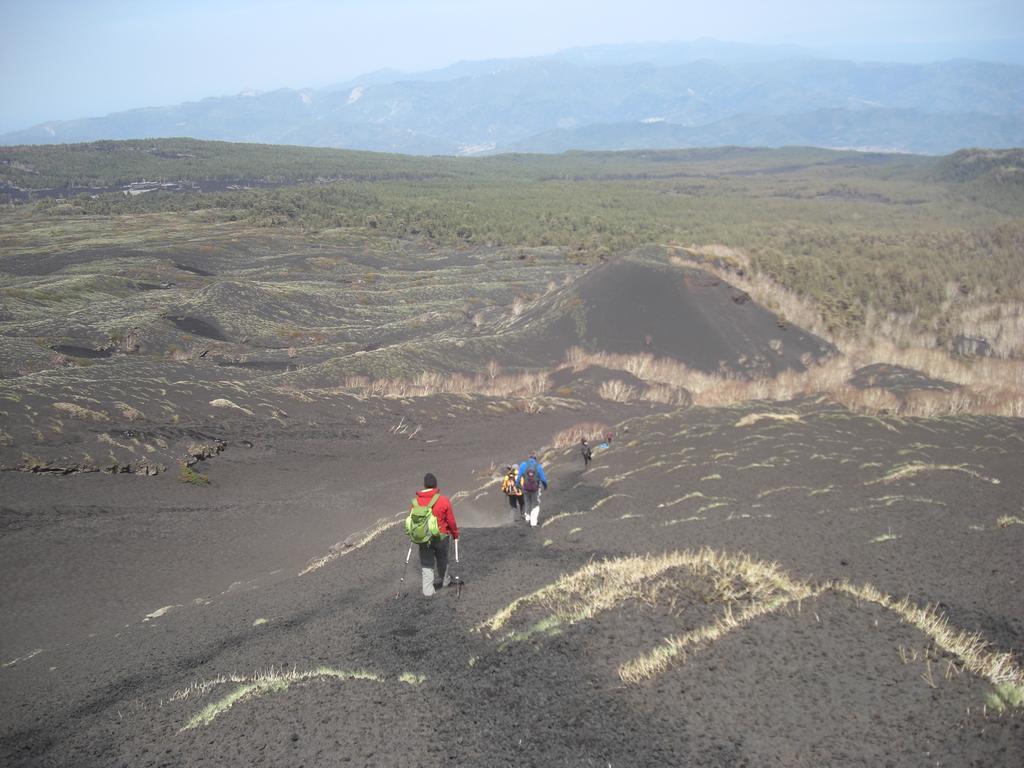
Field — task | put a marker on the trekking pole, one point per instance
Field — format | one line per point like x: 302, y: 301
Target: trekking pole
x: 457, y: 578
x: 405, y: 569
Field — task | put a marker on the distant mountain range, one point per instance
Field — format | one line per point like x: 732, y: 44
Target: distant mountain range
x: 663, y: 95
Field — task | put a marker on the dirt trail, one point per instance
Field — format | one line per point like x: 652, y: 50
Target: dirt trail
x: 88, y: 554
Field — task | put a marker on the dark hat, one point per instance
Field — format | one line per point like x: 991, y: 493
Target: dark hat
x: 429, y: 481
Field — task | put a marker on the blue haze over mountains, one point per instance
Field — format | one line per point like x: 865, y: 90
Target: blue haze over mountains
x: 657, y: 95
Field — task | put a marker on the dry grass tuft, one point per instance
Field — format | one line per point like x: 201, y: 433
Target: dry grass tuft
x: 223, y: 402
x: 753, y: 418
x: 271, y: 681
x: 1001, y: 323
x: 616, y: 390
x: 79, y: 412
x: 601, y: 586
x: 381, y: 526
x: 430, y: 383
x: 745, y: 589
x: 983, y: 385
x: 903, y: 471
x: 128, y: 412
x: 1007, y: 520
x: 593, y: 431
x: 888, y: 536
x: 970, y: 648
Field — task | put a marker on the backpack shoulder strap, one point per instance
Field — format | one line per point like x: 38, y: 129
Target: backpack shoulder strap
x: 429, y: 505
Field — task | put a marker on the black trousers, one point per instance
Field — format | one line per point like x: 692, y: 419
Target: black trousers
x: 434, y: 564
x: 516, y: 505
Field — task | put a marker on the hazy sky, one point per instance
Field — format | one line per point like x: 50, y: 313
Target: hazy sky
x: 75, y: 58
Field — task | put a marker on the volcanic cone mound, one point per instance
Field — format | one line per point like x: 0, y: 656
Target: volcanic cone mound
x: 644, y: 304
x: 897, y: 379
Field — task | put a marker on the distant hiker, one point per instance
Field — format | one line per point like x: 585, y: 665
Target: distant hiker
x: 585, y: 452
x: 513, y: 492
x: 608, y: 438
x: 531, y: 479
x: 430, y: 524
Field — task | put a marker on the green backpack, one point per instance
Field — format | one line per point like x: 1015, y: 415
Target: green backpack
x: 421, y: 524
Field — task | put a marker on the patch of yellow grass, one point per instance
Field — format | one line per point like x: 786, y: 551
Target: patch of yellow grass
x: 753, y: 418
x: 600, y: 586
x: 560, y: 516
x: 160, y: 612
x: 429, y: 383
x: 1007, y: 520
x: 970, y: 648
x: 129, y: 412
x: 783, y: 488
x: 381, y: 526
x: 681, y: 499
x: 888, y: 536
x: 745, y: 588
x: 26, y: 657
x: 601, y: 502
x: 616, y: 390
x: 593, y: 431
x: 898, y: 498
x: 223, y: 402
x: 618, y: 478
x: 79, y: 412
x: 677, y: 521
x: 913, y: 468
x: 271, y: 681
x: 985, y: 385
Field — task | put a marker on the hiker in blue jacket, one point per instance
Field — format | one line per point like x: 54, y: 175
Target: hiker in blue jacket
x: 531, y: 479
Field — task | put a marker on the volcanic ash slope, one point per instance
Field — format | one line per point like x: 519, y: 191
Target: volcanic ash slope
x: 643, y: 303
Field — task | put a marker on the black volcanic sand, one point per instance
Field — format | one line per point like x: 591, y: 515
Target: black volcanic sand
x: 641, y: 303
x: 198, y: 326
x: 88, y: 551
x: 147, y: 620
x: 269, y: 328
x: 908, y: 506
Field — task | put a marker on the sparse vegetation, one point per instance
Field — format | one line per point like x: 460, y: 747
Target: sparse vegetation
x: 1005, y: 696
x: 743, y: 588
x: 188, y: 475
x: 887, y: 536
x: 985, y: 386
x: 918, y: 252
x: 341, y: 304
x: 350, y: 545
x: 271, y: 681
x: 80, y: 412
x: 917, y: 467
x: 593, y: 431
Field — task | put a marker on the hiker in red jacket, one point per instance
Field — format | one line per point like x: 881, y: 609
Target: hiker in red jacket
x: 434, y: 553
